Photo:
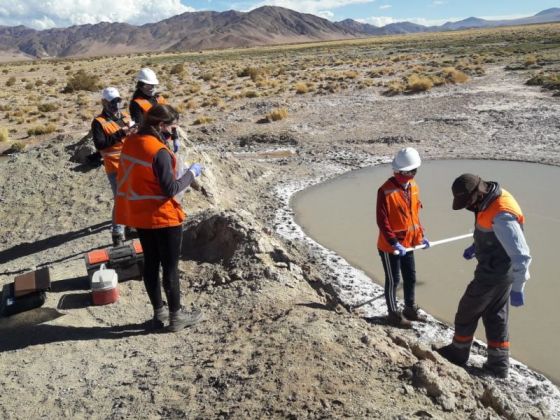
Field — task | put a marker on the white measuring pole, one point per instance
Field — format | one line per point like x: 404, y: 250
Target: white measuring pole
x: 435, y: 243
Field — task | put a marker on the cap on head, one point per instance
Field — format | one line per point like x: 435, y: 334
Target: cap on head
x: 406, y: 159
x: 110, y: 93
x: 147, y: 76
x: 463, y: 189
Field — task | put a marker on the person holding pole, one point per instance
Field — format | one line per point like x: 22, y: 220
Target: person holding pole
x: 146, y: 188
x: 397, y: 210
x: 500, y: 275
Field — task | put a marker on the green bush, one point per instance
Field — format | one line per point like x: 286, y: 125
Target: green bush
x: 82, y: 81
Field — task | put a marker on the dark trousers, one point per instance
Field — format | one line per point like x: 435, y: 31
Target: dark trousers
x: 162, y: 247
x: 393, y: 265
x: 488, y: 301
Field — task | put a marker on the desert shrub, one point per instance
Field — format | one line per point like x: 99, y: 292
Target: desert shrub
x: 452, y: 75
x: 29, y: 86
x: 5, y: 71
x: 418, y: 83
x: 82, y: 81
x: 203, y: 119
x: 38, y: 82
x: 51, y: 82
x: 251, y: 94
x: 531, y: 60
x: 191, y: 104
x: 277, y: 114
x: 252, y: 72
x: 41, y: 129
x: 17, y: 147
x: 208, y: 76
x: 301, y: 88
x: 547, y: 81
x: 46, y: 107
x: 11, y: 81
x: 67, y: 67
x: 4, y: 136
x: 394, y: 87
x: 178, y: 68
x: 351, y: 74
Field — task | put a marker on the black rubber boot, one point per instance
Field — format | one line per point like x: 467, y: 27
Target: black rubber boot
x: 454, y: 355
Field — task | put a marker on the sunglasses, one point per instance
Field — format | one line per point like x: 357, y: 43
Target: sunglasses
x: 411, y: 172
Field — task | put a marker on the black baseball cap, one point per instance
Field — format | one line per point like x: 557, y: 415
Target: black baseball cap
x: 463, y: 188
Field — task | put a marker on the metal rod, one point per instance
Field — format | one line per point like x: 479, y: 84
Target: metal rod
x: 435, y: 243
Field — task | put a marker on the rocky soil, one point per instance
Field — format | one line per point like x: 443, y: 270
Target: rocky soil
x: 278, y: 338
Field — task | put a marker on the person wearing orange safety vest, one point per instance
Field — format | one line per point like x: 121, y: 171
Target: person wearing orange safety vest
x: 145, y: 200
x: 503, y: 268
x: 109, y: 130
x: 397, y: 210
x: 145, y: 97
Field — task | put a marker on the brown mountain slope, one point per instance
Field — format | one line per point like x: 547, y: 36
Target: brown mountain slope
x: 188, y: 31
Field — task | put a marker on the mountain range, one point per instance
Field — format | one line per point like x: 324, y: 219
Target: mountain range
x: 194, y: 31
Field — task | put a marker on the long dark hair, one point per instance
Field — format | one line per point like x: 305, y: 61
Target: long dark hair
x: 158, y: 114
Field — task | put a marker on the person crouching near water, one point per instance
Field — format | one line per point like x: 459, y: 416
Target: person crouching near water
x: 145, y: 200
x: 503, y: 268
x: 398, y: 207
x: 109, y: 130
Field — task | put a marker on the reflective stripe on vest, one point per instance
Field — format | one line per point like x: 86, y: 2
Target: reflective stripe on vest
x: 146, y: 105
x: 112, y: 153
x: 504, y: 203
x: 402, y: 212
x: 139, y: 201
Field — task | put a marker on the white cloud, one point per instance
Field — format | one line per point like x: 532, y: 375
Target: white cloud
x: 385, y: 6
x: 326, y: 14
x: 438, y: 2
x: 316, y: 7
x: 42, y: 14
x: 386, y: 20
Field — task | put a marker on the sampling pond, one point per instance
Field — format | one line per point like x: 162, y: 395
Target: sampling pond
x: 340, y: 215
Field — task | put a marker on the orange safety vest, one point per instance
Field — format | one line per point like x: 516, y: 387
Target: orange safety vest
x: 403, y: 216
x: 139, y: 202
x: 112, y: 154
x: 147, y: 105
x: 504, y: 203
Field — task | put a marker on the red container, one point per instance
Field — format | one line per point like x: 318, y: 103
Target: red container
x: 105, y: 297
x: 104, y: 286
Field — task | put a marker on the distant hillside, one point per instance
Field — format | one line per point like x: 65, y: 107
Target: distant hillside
x: 203, y: 30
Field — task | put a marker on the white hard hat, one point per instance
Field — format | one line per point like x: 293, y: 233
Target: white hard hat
x: 110, y: 93
x: 406, y: 159
x: 147, y: 76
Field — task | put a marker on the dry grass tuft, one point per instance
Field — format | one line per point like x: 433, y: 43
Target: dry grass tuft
x: 4, y: 136
x: 203, y: 119
x: 41, y: 129
x: 418, y: 83
x: 301, y: 88
x: 452, y: 75
x: 277, y: 114
x: 82, y: 81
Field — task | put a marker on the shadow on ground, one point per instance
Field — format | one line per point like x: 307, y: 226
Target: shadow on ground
x: 29, y: 248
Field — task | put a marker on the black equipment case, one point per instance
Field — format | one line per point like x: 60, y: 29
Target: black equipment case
x: 127, y: 260
x: 12, y: 305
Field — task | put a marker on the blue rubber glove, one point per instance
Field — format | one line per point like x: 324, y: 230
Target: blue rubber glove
x: 426, y: 243
x: 468, y: 254
x: 517, y: 298
x: 196, y: 169
x: 400, y: 249
x: 176, y: 144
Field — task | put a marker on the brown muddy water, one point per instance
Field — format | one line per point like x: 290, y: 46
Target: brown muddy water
x: 340, y: 215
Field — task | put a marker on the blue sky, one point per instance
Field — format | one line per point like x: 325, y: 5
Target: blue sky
x: 41, y: 14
